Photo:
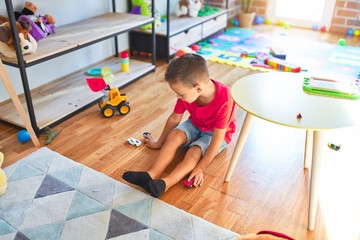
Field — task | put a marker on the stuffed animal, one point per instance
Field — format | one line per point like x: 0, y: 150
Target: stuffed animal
x: 7, y: 45
x: 182, y: 8
x: 41, y: 25
x: 194, y: 7
x: 3, y: 178
x: 144, y: 7
x: 185, y: 8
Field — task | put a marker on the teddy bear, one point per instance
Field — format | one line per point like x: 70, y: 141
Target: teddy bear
x: 41, y: 25
x: 185, y: 8
x: 3, y: 178
x: 7, y: 45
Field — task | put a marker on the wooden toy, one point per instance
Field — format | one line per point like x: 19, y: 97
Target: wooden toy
x: 278, y: 53
x: 282, y: 65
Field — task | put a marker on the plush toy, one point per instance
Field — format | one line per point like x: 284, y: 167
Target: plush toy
x: 41, y: 25
x: 182, y: 8
x: 144, y: 7
x: 194, y: 7
x: 185, y: 8
x: 3, y: 178
x: 7, y: 45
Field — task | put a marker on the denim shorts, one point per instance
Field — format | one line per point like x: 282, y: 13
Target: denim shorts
x: 196, y: 137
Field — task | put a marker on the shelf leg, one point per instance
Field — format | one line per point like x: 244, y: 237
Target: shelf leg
x: 9, y: 87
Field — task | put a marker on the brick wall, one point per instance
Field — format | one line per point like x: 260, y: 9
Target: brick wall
x: 346, y: 15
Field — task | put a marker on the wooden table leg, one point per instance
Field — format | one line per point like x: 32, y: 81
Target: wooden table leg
x: 244, y: 132
x: 308, y: 148
x: 319, y: 143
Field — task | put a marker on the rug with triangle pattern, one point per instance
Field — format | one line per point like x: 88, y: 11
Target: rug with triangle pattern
x: 52, y: 197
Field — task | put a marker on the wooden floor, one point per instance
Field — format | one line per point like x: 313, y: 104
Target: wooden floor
x: 269, y: 188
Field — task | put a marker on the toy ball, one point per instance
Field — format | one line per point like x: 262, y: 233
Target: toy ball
x: 281, y: 22
x: 315, y: 27
x: 23, y: 136
x: 236, y: 22
x: 286, y: 25
x: 195, y: 47
x: 268, y: 21
x: 342, y: 42
x: 350, y: 32
x: 323, y: 29
x: 258, y: 20
x: 356, y: 32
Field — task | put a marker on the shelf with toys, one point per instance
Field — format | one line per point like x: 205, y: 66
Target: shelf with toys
x: 60, y: 98
x: 175, y: 33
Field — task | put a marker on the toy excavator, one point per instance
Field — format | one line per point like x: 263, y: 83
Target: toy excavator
x: 112, y: 99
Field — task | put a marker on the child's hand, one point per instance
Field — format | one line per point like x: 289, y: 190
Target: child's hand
x: 151, y: 142
x: 198, y: 176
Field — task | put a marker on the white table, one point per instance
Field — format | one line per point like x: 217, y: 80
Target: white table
x: 278, y: 97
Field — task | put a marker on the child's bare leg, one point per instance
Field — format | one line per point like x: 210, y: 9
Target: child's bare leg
x: 175, y: 139
x: 192, y: 157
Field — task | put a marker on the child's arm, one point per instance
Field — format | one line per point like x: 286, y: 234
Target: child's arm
x: 173, y: 120
x: 215, y: 144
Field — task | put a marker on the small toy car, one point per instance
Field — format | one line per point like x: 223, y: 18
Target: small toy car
x: 134, y: 142
x: 189, y: 184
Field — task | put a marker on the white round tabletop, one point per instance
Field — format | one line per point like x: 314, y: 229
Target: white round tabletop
x: 279, y: 97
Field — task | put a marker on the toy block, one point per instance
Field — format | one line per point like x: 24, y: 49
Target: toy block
x: 282, y: 65
x: 278, y: 53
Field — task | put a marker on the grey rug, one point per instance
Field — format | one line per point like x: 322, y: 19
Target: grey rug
x: 52, y: 197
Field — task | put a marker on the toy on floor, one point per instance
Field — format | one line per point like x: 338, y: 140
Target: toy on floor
x: 278, y: 53
x: 112, y: 99
x: 183, y: 51
x: 50, y: 135
x: 134, y: 142
x: 356, y: 32
x: 258, y: 20
x: 342, y: 42
x: 266, y: 235
x: 23, y: 136
x: 189, y: 184
x: 350, y: 32
x: 282, y: 65
x: 234, y: 22
x: 3, y: 178
x: 145, y: 134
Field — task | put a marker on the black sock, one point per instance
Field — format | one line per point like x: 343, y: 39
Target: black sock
x: 140, y: 179
x: 157, y: 187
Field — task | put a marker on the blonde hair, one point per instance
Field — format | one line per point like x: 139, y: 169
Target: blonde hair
x: 188, y: 69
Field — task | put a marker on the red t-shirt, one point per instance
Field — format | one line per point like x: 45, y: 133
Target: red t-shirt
x: 219, y: 113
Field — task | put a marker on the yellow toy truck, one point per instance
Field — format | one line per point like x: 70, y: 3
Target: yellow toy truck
x: 115, y: 100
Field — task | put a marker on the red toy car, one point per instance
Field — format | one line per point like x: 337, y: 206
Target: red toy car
x: 189, y: 184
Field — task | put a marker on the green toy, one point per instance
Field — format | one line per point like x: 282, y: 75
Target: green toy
x: 145, y: 10
x: 331, y: 88
x: 50, y: 135
x: 207, y: 10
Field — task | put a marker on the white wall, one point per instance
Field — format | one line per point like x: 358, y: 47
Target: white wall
x: 65, y: 12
